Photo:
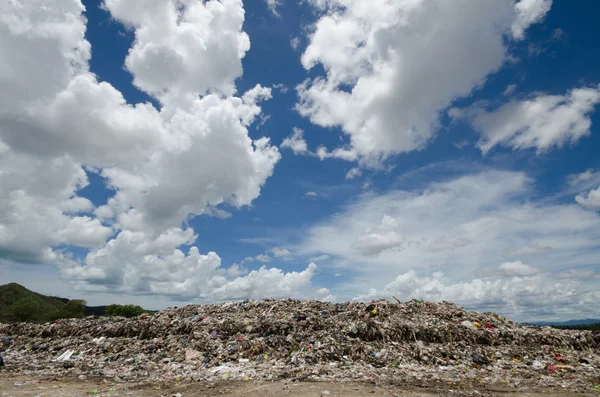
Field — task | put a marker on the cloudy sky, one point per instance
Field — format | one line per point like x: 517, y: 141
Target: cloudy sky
x: 172, y: 151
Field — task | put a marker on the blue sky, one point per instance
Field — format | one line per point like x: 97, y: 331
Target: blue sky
x: 192, y: 151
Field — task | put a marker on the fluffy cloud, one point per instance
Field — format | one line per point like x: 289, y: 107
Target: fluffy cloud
x: 164, y: 165
x: 463, y: 227
x: 520, y: 297
x: 541, y: 122
x: 272, y: 5
x: 184, y: 49
x: 296, y: 142
x: 385, y: 237
x: 590, y: 199
x: 272, y: 283
x: 138, y: 263
x: 528, y: 13
x: 393, y: 66
x: 280, y: 252
x: 518, y: 268
x: 39, y: 208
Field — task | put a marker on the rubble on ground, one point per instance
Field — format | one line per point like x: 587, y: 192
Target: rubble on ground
x: 406, y: 342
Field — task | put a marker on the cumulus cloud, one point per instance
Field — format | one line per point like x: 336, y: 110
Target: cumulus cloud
x: 182, y: 50
x: 393, y: 66
x: 519, y: 297
x: 39, y: 208
x: 322, y: 291
x: 137, y: 263
x: 464, y: 227
x: 311, y: 194
x: 280, y: 252
x: 517, y: 268
x: 384, y: 237
x: 165, y: 166
x: 528, y: 13
x: 296, y: 142
x: 541, y: 122
x: 272, y: 283
x: 263, y: 258
x: 590, y: 199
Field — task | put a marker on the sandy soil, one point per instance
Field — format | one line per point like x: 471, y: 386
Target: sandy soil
x: 20, y: 386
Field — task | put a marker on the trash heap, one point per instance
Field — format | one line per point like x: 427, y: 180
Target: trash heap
x: 411, y: 342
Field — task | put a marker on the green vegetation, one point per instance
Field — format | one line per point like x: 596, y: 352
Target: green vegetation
x: 17, y: 303
x: 590, y: 327
x: 72, y: 309
x: 123, y: 311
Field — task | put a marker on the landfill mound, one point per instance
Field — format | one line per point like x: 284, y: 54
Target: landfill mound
x: 411, y: 342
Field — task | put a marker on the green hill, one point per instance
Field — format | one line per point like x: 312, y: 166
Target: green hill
x: 15, y: 297
x: 17, y: 303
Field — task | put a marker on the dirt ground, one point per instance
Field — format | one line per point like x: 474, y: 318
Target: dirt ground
x: 20, y: 386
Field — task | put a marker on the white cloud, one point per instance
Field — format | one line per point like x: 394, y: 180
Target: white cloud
x: 541, y: 122
x: 590, y: 199
x: 584, y: 176
x: 263, y: 283
x: 296, y: 142
x: 464, y: 227
x: 39, y: 207
x: 522, y: 298
x: 319, y: 258
x: 311, y: 194
x: 393, y: 66
x: 528, y: 13
x: 236, y: 270
x: 138, y: 263
x: 165, y: 166
x: 263, y: 258
x: 281, y: 87
x: 510, y: 90
x: 182, y: 50
x: 280, y: 252
x: 518, y: 268
x: 354, y: 173
x: 384, y: 237
x: 322, y: 291
x: 272, y: 6
x: 295, y: 42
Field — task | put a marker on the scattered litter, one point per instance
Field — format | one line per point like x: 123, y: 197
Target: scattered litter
x: 65, y: 356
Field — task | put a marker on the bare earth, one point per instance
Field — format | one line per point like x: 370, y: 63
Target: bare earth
x: 21, y: 386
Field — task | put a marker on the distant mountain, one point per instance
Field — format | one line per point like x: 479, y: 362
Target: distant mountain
x: 17, y: 303
x: 585, y: 321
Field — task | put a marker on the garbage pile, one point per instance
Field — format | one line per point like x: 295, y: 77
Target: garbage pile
x: 412, y: 342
